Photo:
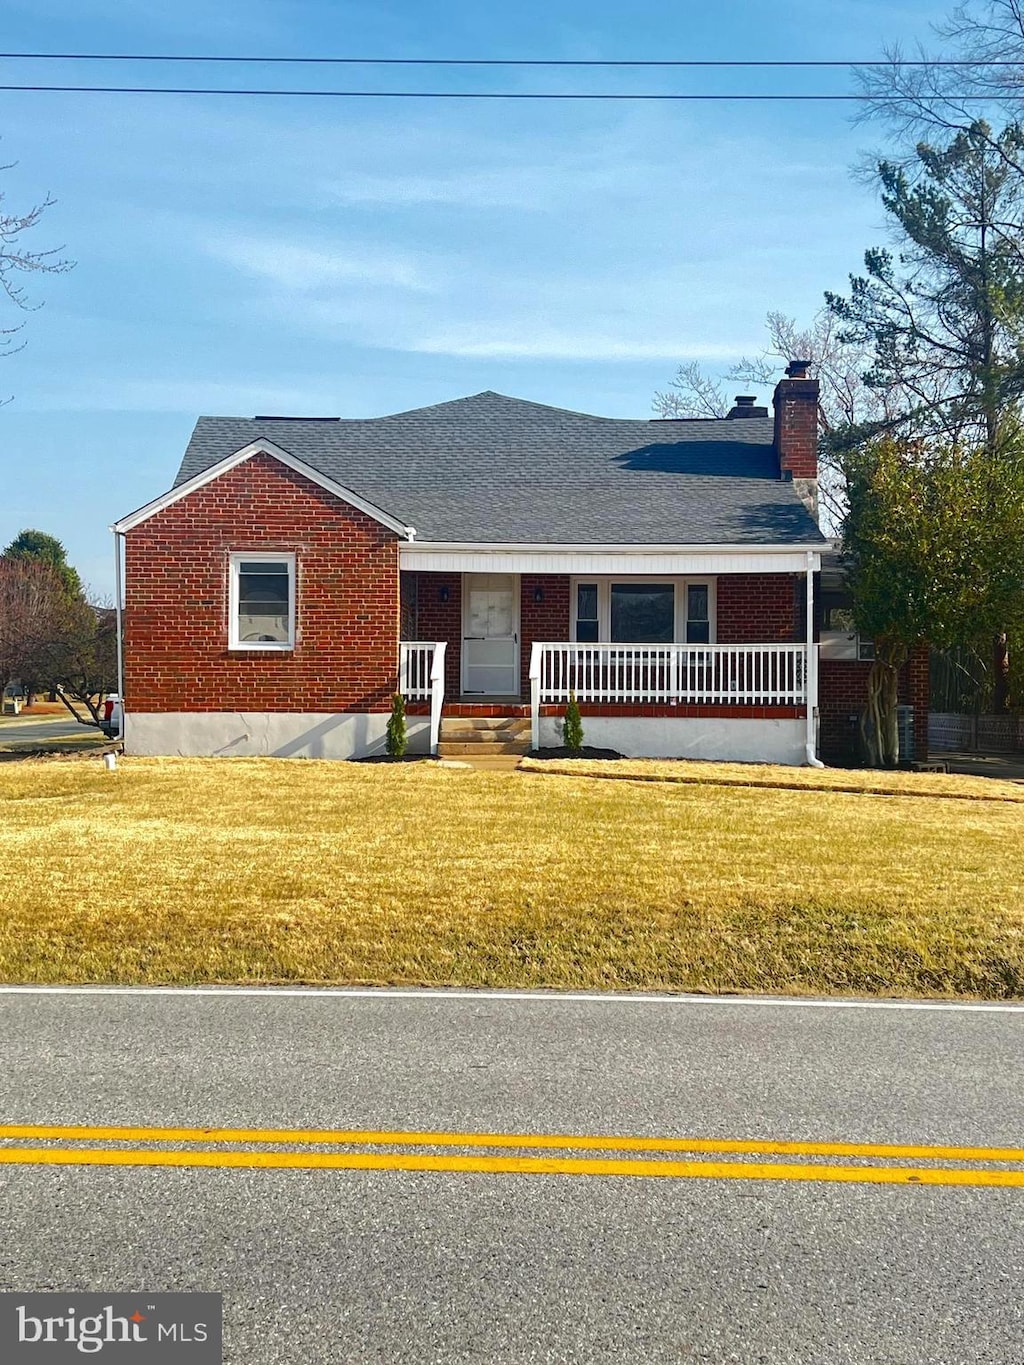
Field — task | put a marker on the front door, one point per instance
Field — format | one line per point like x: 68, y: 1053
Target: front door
x: 490, y: 635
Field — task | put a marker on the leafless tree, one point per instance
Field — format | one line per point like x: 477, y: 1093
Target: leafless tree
x: 17, y: 261
x: 846, y: 401
x: 54, y: 640
x: 33, y: 607
x: 975, y: 71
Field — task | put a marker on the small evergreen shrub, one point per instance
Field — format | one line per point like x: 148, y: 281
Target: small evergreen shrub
x: 572, y: 726
x: 397, y: 738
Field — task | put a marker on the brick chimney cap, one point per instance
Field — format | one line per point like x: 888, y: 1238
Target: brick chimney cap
x: 797, y: 369
x: 746, y: 400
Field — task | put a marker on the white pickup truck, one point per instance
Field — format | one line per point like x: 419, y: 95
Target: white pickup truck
x: 112, y: 716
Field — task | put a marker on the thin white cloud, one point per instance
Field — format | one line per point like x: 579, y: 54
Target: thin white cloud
x: 518, y: 184
x: 484, y: 189
x: 568, y: 346
x: 298, y: 266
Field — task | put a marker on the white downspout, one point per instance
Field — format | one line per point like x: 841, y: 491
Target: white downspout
x: 119, y: 619
x: 811, y: 671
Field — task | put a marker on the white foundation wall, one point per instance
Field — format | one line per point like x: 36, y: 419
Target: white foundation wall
x: 722, y: 739
x: 265, y: 734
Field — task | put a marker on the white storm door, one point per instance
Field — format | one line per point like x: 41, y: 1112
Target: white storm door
x: 490, y: 635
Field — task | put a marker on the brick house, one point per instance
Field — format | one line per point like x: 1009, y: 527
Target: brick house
x: 485, y: 557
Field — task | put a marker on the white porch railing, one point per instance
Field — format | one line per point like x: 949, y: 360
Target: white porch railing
x: 415, y: 659
x: 421, y: 678
x: 686, y: 675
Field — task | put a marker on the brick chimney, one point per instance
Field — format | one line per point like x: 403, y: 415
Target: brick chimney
x: 796, y: 431
x: 745, y: 406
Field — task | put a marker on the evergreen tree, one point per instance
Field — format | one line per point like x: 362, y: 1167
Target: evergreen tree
x: 46, y: 549
x: 397, y: 739
x: 572, y: 726
x: 943, y: 319
x: 934, y: 548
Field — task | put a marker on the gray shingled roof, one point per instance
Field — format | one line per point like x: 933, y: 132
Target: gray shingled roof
x: 491, y: 468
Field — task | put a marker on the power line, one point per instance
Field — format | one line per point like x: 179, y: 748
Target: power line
x: 447, y: 94
x: 482, y: 61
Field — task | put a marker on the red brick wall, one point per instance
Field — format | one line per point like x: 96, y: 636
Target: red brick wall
x: 437, y: 620
x: 842, y: 692
x: 177, y: 583
x: 917, y: 692
x: 547, y: 620
x: 796, y: 426
x: 760, y: 609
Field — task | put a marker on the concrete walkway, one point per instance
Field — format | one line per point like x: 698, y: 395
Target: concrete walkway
x: 1007, y: 767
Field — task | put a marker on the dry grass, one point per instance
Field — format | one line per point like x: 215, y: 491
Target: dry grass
x: 896, y: 783
x: 256, y: 870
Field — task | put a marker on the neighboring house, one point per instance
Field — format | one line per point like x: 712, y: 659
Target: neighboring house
x: 485, y: 557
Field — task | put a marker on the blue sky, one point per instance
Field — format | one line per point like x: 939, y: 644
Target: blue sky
x: 328, y: 257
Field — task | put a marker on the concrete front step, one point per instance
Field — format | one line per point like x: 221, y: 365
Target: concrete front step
x: 484, y: 725
x: 474, y: 748
x: 485, y: 739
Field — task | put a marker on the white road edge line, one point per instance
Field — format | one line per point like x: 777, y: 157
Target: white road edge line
x: 545, y: 997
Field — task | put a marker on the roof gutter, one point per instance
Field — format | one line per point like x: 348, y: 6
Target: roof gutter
x: 622, y: 548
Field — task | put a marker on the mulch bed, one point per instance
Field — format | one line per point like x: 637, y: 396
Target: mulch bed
x: 389, y: 758
x: 585, y: 752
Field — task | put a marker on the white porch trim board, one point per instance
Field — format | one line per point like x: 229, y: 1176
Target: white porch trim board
x: 608, y: 559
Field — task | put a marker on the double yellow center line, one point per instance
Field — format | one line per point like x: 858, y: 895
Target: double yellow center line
x: 706, y: 1158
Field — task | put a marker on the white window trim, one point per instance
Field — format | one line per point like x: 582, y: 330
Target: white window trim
x: 235, y: 559
x: 604, y: 602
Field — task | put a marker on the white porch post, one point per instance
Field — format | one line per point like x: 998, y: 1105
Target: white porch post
x: 436, y: 692
x: 535, y: 658
x: 811, y: 670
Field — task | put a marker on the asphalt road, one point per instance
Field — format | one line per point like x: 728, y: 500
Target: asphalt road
x: 399, y: 1265
x: 28, y: 730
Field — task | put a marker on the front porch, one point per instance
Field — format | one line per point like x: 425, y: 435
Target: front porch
x: 683, y: 654
x: 737, y: 702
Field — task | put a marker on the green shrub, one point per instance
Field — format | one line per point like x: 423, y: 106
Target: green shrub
x: 397, y: 738
x: 572, y: 726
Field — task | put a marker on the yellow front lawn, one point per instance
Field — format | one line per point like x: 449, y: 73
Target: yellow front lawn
x: 243, y: 870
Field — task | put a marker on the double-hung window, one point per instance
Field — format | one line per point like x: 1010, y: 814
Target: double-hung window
x: 642, y: 612
x: 262, y: 602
